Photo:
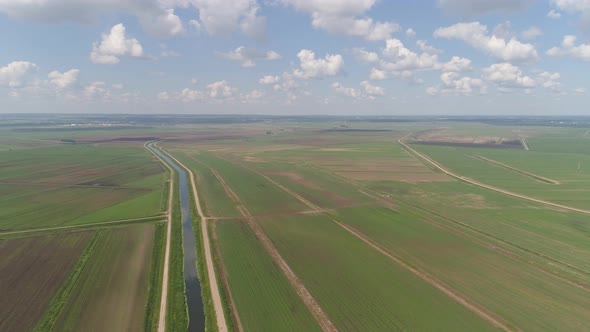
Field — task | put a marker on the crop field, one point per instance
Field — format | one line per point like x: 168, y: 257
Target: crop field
x: 75, y: 185
x: 264, y: 299
x: 111, y: 291
x: 32, y: 270
x: 363, y: 223
x: 314, y: 225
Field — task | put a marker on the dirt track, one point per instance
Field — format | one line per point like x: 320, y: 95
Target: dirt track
x: 482, y: 185
x: 214, y: 288
x: 311, y: 304
x: 164, y: 296
x: 534, y: 176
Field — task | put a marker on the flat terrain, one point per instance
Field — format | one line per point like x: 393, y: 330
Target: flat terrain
x: 32, y: 270
x: 327, y: 224
x: 111, y: 292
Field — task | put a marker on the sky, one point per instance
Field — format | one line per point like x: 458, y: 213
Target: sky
x: 290, y: 57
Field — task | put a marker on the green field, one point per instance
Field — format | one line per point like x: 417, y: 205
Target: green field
x: 263, y: 297
x: 311, y: 222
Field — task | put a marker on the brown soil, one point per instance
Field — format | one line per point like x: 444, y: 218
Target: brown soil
x: 32, y: 270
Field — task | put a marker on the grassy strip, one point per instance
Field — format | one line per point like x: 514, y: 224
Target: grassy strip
x: 155, y: 283
x: 177, y: 310
x: 208, y: 308
x: 224, y: 289
x: 97, y: 226
x: 57, y: 303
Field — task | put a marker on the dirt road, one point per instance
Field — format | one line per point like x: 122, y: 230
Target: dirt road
x: 483, y: 185
x: 312, y: 305
x: 214, y: 288
x: 164, y: 296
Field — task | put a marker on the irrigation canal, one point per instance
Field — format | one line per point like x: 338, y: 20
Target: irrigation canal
x: 194, y: 301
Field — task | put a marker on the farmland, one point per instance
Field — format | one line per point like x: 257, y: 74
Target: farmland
x: 314, y: 225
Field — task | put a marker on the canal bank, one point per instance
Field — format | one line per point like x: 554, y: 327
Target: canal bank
x: 193, y: 288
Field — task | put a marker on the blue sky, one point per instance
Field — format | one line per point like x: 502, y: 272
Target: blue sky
x: 357, y: 57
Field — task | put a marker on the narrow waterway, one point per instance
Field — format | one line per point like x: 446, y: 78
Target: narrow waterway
x: 194, y: 301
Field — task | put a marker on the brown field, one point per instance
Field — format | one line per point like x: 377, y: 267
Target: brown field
x: 31, y: 271
x: 111, y: 292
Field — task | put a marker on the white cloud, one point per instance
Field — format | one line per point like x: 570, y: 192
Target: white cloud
x: 425, y: 47
x: 190, y: 95
x: 572, y: 5
x: 508, y: 76
x: 454, y: 83
x: 549, y: 80
x: 349, y: 92
x: 268, y: 79
x: 473, y: 8
x: 372, y: 90
x: 65, y: 79
x: 364, y: 56
x: 554, y: 15
x: 14, y: 73
x: 410, y: 33
x: 570, y: 49
x: 220, y: 89
x: 377, y: 75
x: 400, y: 58
x: 222, y: 17
x: 249, y: 56
x: 154, y: 15
x: 165, y: 24
x: 457, y: 64
x: 531, y: 33
x: 580, y: 90
x: 310, y: 67
x: 114, y: 45
x: 476, y: 35
x: 345, y: 17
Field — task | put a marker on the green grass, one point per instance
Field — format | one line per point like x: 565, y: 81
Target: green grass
x: 177, y: 311
x: 264, y: 299
x: 112, y: 290
x: 155, y: 283
x: 475, y: 269
x: 360, y: 289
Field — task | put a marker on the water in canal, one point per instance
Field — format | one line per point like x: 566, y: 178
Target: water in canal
x: 193, y: 287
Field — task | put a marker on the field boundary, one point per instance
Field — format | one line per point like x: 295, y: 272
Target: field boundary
x: 164, y: 296
x: 213, y: 286
x: 308, y: 300
x: 85, y: 226
x: 534, y: 176
x: 482, y: 185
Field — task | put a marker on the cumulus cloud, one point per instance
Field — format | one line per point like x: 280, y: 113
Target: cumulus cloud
x: 345, y: 17
x: 476, y: 35
x: 13, y: 74
x: 508, y: 76
x: 372, y: 90
x: 399, y: 58
x: 454, y: 83
x: 570, y: 49
x: 457, y: 64
x: 365, y: 56
x: 472, y: 8
x: 349, y: 92
x: 531, y: 33
x: 312, y: 67
x: 377, y: 75
x: 220, y: 89
x: 410, y: 33
x: 248, y: 56
x: 425, y: 47
x: 268, y: 79
x: 114, y: 45
x: 65, y: 79
x: 222, y: 17
x: 156, y: 17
